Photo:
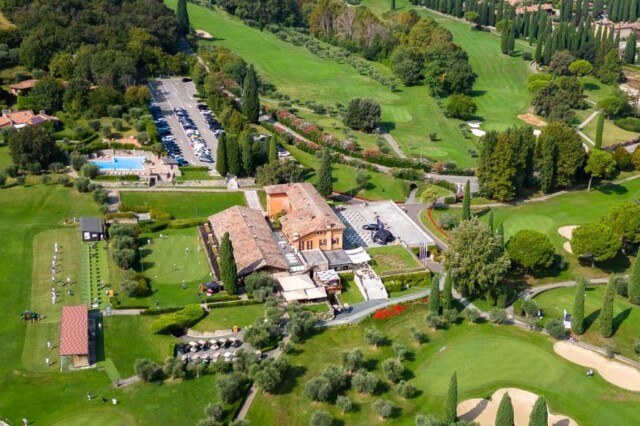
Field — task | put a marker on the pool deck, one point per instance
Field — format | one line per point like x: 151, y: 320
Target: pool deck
x: 152, y: 166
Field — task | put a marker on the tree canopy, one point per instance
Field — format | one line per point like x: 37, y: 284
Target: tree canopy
x: 363, y: 114
x: 531, y: 249
x: 595, y: 240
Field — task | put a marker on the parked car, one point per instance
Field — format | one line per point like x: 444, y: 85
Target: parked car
x: 370, y: 227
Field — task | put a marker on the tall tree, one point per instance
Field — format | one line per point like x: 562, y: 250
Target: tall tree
x: 504, y: 417
x: 490, y: 221
x: 246, y: 153
x: 596, y: 240
x: 599, y: 164
x: 511, y: 41
x: 451, y: 405
x: 630, y: 48
x: 233, y: 155
x: 272, y: 153
x: 500, y: 234
x: 577, y: 314
x: 222, y: 165
x: 447, y: 291
x: 393, y: 4
x: 183, y: 16
x: 434, y: 295
x: 504, y: 39
x: 250, y: 97
x: 599, y: 130
x: 325, y: 179
x: 34, y: 144
x: 634, y: 282
x: 606, y: 313
x: 228, y: 268
x: 466, y: 202
x: 539, y: 415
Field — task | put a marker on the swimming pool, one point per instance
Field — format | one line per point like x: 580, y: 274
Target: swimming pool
x: 121, y: 163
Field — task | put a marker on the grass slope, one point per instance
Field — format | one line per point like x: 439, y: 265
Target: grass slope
x: 410, y: 113
x: 226, y: 318
x: 486, y: 357
x: 626, y: 317
x: 185, y: 204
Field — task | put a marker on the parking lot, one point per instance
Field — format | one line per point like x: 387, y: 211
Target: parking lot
x: 186, y: 127
x: 355, y: 216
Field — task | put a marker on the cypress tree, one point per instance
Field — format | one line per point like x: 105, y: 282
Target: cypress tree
x: 434, y: 295
x: 578, y: 16
x: 447, y: 291
x: 546, y: 55
x: 504, y: 39
x: 630, y: 49
x: 634, y: 282
x: 606, y: 313
x: 325, y: 180
x: 393, y: 4
x: 457, y: 9
x: 451, y: 406
x: 547, y: 166
x: 577, y: 315
x: 504, y: 417
x: 585, y: 9
x: 228, y: 268
x: 500, y: 11
x: 466, y: 202
x: 537, y: 56
x: 599, y: 130
x: 633, y: 11
x: 490, y: 221
x: 511, y: 43
x: 247, y: 155
x: 183, y: 16
x: 233, y: 156
x: 272, y: 153
x: 500, y: 233
x: 533, y: 27
x: 616, y: 43
x: 492, y: 13
x: 250, y: 99
x: 539, y: 415
x: 222, y: 165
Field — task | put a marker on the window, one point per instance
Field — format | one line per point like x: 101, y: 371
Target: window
x: 335, y: 241
x: 323, y: 242
x: 309, y: 245
x: 320, y: 233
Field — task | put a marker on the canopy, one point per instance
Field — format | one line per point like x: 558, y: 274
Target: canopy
x: 358, y: 255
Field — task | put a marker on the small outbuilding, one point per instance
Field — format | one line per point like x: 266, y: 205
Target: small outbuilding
x: 74, y: 335
x: 92, y: 229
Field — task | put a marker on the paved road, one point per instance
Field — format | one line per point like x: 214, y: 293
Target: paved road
x: 253, y: 200
x: 393, y: 144
x: 173, y: 93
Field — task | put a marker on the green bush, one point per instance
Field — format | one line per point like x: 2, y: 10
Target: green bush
x: 185, y: 223
x: 216, y: 305
x: 419, y: 279
x: 178, y: 320
x: 113, y: 178
x: 161, y: 311
x: 630, y: 124
x: 120, y: 215
x: 150, y: 226
x: 160, y: 214
x: 136, y: 286
x: 393, y: 286
x: 556, y: 329
x: 450, y: 199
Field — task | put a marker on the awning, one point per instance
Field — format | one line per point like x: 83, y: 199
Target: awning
x: 358, y: 255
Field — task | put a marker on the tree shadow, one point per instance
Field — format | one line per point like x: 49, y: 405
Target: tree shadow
x: 590, y: 319
x: 619, y: 264
x: 619, y: 319
x: 477, y: 93
x: 590, y: 86
x: 388, y: 125
x: 291, y: 381
x: 611, y: 188
x: 370, y: 364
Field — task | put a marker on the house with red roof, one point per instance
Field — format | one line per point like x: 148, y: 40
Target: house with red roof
x: 74, y: 335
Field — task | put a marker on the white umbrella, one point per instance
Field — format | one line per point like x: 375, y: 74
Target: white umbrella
x: 202, y: 342
x: 213, y: 341
x: 193, y: 344
x: 216, y: 355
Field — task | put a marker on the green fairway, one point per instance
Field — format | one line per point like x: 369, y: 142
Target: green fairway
x: 486, y: 358
x: 184, y: 204
x: 32, y: 220
x: 611, y: 133
x: 392, y: 258
x: 626, y: 317
x: 226, y: 318
x: 410, y: 113
x: 379, y: 187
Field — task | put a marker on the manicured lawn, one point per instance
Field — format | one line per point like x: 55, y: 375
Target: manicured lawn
x: 350, y: 292
x: 302, y: 75
x: 184, y: 204
x: 5, y: 158
x: 32, y: 220
x: 626, y: 317
x: 486, y: 358
x: 392, y: 258
x: 380, y: 186
x: 595, y: 89
x: 226, y: 318
x: 574, y: 208
x: 189, y: 173
x: 611, y: 133
x: 127, y: 338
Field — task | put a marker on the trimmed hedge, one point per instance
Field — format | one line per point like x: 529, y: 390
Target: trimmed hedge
x: 178, y: 320
x: 150, y: 226
x: 120, y: 215
x: 114, y: 178
x: 420, y: 279
x: 185, y: 223
x: 193, y: 169
x: 393, y: 286
x: 216, y: 305
x: 222, y: 298
x: 630, y: 124
x: 160, y: 311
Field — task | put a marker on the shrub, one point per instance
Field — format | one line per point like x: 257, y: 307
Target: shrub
x: 185, y: 317
x: 406, y: 390
x: 556, y: 329
x: 448, y: 221
x: 498, y: 316
x: 157, y: 213
x: 622, y: 158
x: 636, y: 347
x: 630, y: 124
x: 382, y: 408
x: 185, y: 223
x: 472, y: 314
x: 321, y: 418
x: 63, y: 180
x: 136, y: 287
x: 145, y: 369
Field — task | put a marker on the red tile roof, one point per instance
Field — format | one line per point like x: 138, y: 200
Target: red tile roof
x: 26, y: 84
x: 74, y: 330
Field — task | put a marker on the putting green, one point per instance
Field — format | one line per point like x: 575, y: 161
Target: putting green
x: 103, y: 417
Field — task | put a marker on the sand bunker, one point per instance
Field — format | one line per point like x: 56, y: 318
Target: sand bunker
x: 532, y: 119
x: 204, y: 35
x: 474, y: 124
x: 567, y: 231
x: 567, y: 247
x: 614, y: 372
x: 478, y: 132
x: 484, y: 411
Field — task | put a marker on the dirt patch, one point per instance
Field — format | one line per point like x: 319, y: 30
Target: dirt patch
x: 390, y: 260
x: 614, y: 372
x: 567, y: 231
x: 532, y: 119
x: 204, y: 35
x: 484, y: 411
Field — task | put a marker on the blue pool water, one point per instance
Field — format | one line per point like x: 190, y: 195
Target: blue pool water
x: 121, y: 163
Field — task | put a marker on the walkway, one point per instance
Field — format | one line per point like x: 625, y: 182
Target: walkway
x: 253, y: 200
x: 532, y: 292
x: 393, y: 144
x: 583, y: 125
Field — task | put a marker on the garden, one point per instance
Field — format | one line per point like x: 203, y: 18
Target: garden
x: 183, y: 205
x: 390, y: 259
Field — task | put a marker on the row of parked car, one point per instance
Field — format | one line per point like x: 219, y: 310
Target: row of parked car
x: 196, y: 141
x: 166, y: 138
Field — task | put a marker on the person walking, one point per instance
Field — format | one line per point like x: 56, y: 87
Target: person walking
x: 49, y: 345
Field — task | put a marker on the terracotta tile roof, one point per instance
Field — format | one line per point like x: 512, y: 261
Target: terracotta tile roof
x: 5, y: 122
x: 26, y: 84
x: 309, y: 212
x: 74, y: 330
x: 253, y: 245
x: 20, y: 117
x: 277, y: 189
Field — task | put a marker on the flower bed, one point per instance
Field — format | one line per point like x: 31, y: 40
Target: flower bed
x: 389, y: 312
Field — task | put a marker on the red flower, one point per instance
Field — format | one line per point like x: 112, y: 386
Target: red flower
x: 389, y: 312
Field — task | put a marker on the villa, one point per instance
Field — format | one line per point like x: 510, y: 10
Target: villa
x: 20, y: 119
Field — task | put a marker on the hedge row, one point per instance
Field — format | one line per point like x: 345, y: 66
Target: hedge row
x: 120, y: 215
x: 194, y: 169
x: 420, y: 279
x: 135, y: 209
x: 222, y: 298
x: 178, y: 320
x: 216, y: 305
x: 630, y: 124
x: 115, y: 178
x: 160, y: 311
